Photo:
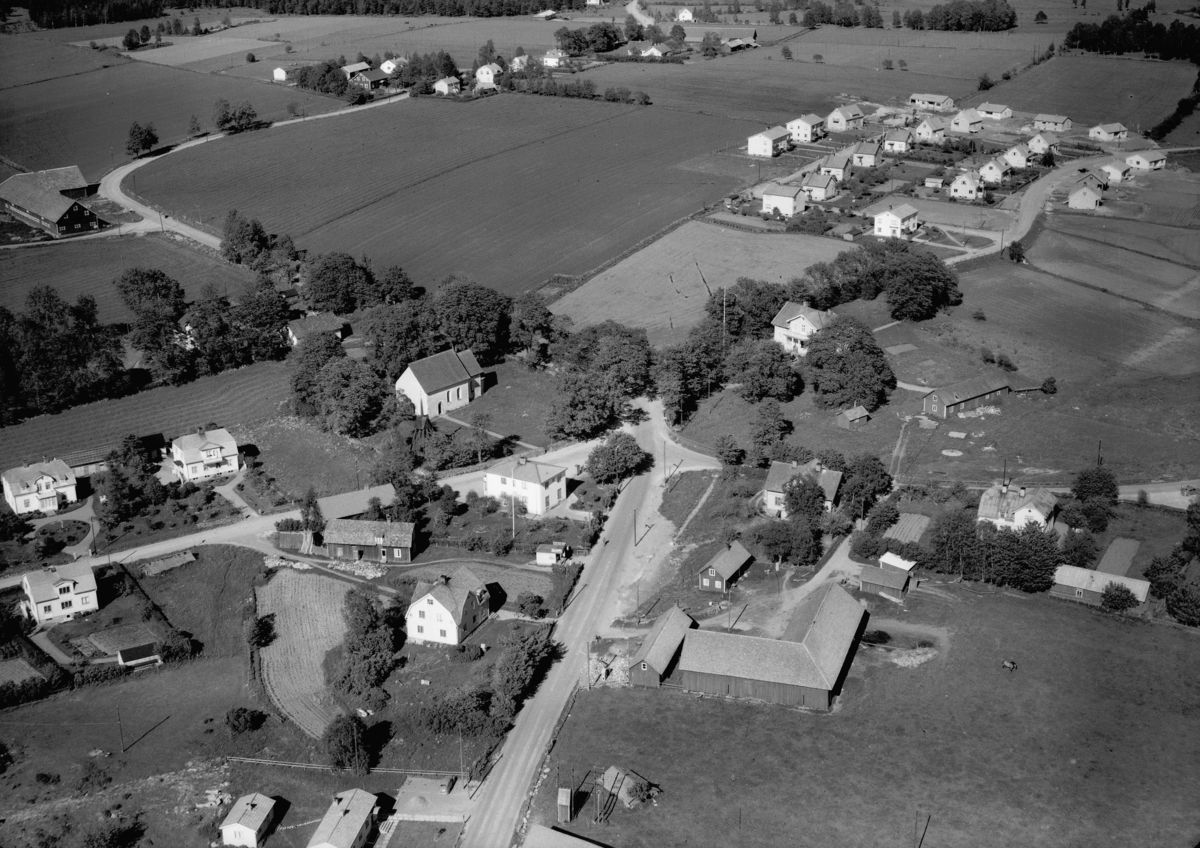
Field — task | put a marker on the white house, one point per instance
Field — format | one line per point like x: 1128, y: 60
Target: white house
x: 845, y: 118
x: 786, y: 200
x: 1013, y: 508
x: 965, y: 187
x: 806, y: 128
x: 992, y: 172
x: 1116, y: 170
x: 770, y: 142
x: 485, y: 75
x: 967, y: 121
x: 685, y: 15
x: 59, y: 592
x: 1147, y: 160
x: 449, y: 609
x: 1085, y: 197
x: 994, y: 111
x: 546, y: 15
x: 836, y: 166
x: 39, y: 487
x: 795, y: 324
x: 555, y: 58
x: 1019, y: 157
x: 866, y: 154
x: 936, y: 102
x: 820, y: 186
x: 348, y: 821
x: 932, y: 130
x: 538, y: 485
x: 657, y: 51
x: 355, y: 68
x: 1042, y: 142
x: 1108, y: 132
x: 204, y: 454
x: 279, y: 75
x: 447, y: 86
x: 518, y: 63
x: 390, y: 66
x: 898, y: 222
x: 440, y: 383
x: 248, y: 820
x: 1055, y: 123
x: 781, y: 473
x: 898, y: 141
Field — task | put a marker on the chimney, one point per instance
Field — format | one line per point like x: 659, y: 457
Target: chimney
x: 523, y: 460
x: 445, y: 578
x: 1004, y: 489
x: 1022, y: 491
x: 200, y: 431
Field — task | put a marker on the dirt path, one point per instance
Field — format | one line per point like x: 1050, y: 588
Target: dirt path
x: 641, y: 17
x: 837, y: 566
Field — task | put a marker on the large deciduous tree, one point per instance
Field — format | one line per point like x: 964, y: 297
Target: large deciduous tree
x: 351, y: 399
x: 398, y: 334
x: 473, y: 317
x: 337, y: 283
x: 306, y: 361
x: 621, y: 354
x: 846, y: 367
x: 157, y: 302
x: 618, y: 457
x: 763, y: 369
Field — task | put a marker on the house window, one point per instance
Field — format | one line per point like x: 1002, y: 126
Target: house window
x: 643, y: 666
x: 705, y: 581
x: 84, y: 601
x: 443, y: 632
x: 64, y: 590
x: 711, y: 572
x: 429, y: 600
x: 547, y: 501
x: 717, y: 584
x: 420, y: 613
x: 458, y: 393
x: 67, y: 604
x: 398, y: 554
x: 1079, y: 593
x: 46, y: 608
x: 420, y: 629
x: 503, y: 481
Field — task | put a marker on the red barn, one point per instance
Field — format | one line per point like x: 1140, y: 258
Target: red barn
x: 49, y: 200
x: 986, y: 390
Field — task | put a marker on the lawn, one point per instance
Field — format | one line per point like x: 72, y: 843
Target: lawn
x: 1057, y: 753
x: 518, y: 403
x: 297, y: 454
x: 672, y: 277
x: 570, y: 183
x: 26, y: 59
x: 91, y: 267
x: 246, y: 395
x: 1159, y: 530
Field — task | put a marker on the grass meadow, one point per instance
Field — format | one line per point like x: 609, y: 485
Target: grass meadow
x: 569, y: 184
x: 1088, y: 743
x: 90, y: 267
x: 1170, y: 197
x: 27, y: 59
x: 297, y: 454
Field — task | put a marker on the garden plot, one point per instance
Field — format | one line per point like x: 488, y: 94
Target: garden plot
x: 16, y: 671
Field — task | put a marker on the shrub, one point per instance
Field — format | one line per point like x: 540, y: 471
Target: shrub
x: 250, y: 58
x: 1049, y: 386
x: 345, y: 744
x: 466, y: 653
x: 530, y: 605
x: 1004, y: 362
x: 260, y: 631
x: 1117, y: 598
x: 641, y: 791
x: 92, y: 778
x: 987, y: 356
x: 241, y: 720
x: 978, y: 315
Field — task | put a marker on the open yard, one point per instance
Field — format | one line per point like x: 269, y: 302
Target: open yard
x: 308, y: 624
x: 1171, y: 196
x: 570, y: 183
x: 298, y: 454
x: 90, y: 267
x: 672, y: 277
x: 518, y: 402
x: 1088, y: 743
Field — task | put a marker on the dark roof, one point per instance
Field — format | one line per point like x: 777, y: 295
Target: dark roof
x: 995, y: 504
x: 729, y: 561
x: 372, y: 76
x: 791, y: 310
x: 320, y: 323
x: 41, y: 192
x: 854, y: 413
x: 664, y: 639
x: 1119, y: 556
x: 346, y: 531
x: 883, y: 577
x: 448, y: 368
x: 971, y: 388
x: 88, y: 456
x: 451, y: 592
x: 140, y: 652
x: 782, y: 472
x: 826, y: 622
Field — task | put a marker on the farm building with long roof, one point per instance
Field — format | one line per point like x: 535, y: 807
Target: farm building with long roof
x: 50, y: 201
x: 984, y: 390
x: 1087, y: 586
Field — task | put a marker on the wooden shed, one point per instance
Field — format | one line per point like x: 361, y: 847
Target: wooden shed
x: 723, y: 570
x: 852, y: 419
x: 1087, y: 587
x: 657, y: 658
x: 884, y: 581
x: 986, y: 390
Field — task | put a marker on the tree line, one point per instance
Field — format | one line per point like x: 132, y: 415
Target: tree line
x: 1134, y: 33
x: 964, y: 16
x: 444, y: 8
x: 53, y: 14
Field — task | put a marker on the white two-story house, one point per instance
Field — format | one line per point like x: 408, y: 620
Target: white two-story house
x: 449, y: 609
x: 204, y: 454
x: 795, y: 324
x: 59, y: 592
x: 897, y: 223
x: 42, y: 486
x: 537, y: 485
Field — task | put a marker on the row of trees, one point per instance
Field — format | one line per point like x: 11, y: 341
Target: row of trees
x: 964, y: 15
x: 52, y: 14
x: 1134, y: 33
x: 843, y: 14
x: 598, y: 38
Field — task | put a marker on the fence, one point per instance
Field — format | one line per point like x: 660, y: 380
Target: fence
x: 254, y: 761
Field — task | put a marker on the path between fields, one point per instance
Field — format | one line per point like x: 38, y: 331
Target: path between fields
x: 641, y: 17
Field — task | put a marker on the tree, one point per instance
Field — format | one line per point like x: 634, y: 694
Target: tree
x: 633, y: 30
x: 585, y: 404
x: 336, y: 282
x: 399, y: 334
x: 131, y: 41
x: 728, y: 451
x: 1079, y: 549
x: 1047, y: 160
x: 529, y: 321
x: 952, y: 544
x: 222, y: 115
x: 157, y: 303
x: 618, y: 457
x: 1117, y: 598
x: 260, y: 631
x: 141, y: 139
x: 804, y: 497
x: 883, y: 515
x: 1184, y: 604
x: 845, y: 366
x: 194, y: 128
x: 985, y: 82
x: 345, y: 744
x: 678, y: 34
x: 350, y: 398
x: 710, y: 45
x: 306, y: 360
x: 786, y: 52
x: 769, y: 425
x: 1049, y: 386
x: 1096, y: 483
x: 473, y: 317
x: 1016, y: 252
x: 311, y: 517
x: 241, y: 720
x: 1040, y: 18
x: 531, y: 604
x: 243, y: 239
x: 763, y: 368
x: 654, y: 34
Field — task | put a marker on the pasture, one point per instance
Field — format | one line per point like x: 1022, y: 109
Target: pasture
x: 84, y: 120
x: 27, y: 59
x: 1056, y: 753
x: 1096, y: 89
x: 91, y: 267
x: 668, y: 282
x: 1177, y: 245
x: 1169, y: 197
x: 308, y: 624
x: 248, y: 394
x: 569, y: 183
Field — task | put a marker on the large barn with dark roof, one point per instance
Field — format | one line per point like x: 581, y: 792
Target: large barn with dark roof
x: 50, y: 200
x: 657, y: 658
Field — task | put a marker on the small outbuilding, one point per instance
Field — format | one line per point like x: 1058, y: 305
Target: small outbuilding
x: 894, y: 562
x: 553, y: 553
x: 853, y: 418
x: 348, y: 821
x: 139, y: 655
x: 248, y: 820
x: 1108, y: 132
x: 1054, y: 123
x: 881, y: 581
x: 655, y: 661
x: 447, y: 86
x: 1147, y: 160
x: 723, y: 570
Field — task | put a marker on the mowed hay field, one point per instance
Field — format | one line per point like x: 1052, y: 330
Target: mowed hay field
x: 84, y: 119
x: 25, y: 59
x: 1174, y: 244
x: 248, y: 394
x: 1090, y: 742
x: 90, y: 267
x: 1171, y: 197
x: 308, y: 624
x: 663, y: 286
x: 1097, y: 89
x: 510, y: 190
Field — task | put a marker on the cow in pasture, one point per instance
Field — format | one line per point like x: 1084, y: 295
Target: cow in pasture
x: 1009, y: 666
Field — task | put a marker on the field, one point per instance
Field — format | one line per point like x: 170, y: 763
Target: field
x: 671, y: 278
x: 249, y: 394
x: 1054, y: 754
x: 27, y: 59
x: 1169, y: 197
x: 569, y: 184
x: 298, y: 455
x: 90, y: 267
x: 1177, y: 245
x: 1096, y: 89
x: 84, y: 120
x: 308, y: 624
x: 948, y: 215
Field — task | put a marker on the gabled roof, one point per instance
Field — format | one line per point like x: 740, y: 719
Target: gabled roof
x: 87, y: 456
x: 1051, y: 119
x: 774, y: 133
x: 791, y: 310
x: 899, y: 135
x: 41, y: 192
x: 344, y: 819
x: 897, y: 561
x: 826, y: 623
x: 445, y: 369
x: 810, y: 119
x: 346, y: 531
x: 729, y: 561
x: 902, y: 211
x: 994, y: 163
x: 930, y: 98
x: 777, y: 190
x: 538, y: 473
x: 139, y: 652
x: 1117, y: 165
x: 1111, y: 128
x: 781, y: 472
x: 23, y: 478
x: 664, y: 639
x: 970, y: 388
x: 1148, y: 155
x: 867, y: 148
x: 1096, y: 581
x: 1021, y: 150
x: 490, y: 66
x: 855, y: 412
x: 355, y: 67
x: 449, y: 81
x: 935, y: 122
x: 969, y: 178
x: 1048, y: 138
x: 451, y: 592
x: 883, y: 577
x: 1086, y: 189
x: 192, y: 445
x: 838, y: 162
x: 372, y: 76
x: 998, y: 505
x: 969, y: 115
x: 818, y: 180
x: 322, y: 323
x: 43, y: 582
x: 250, y: 811
x: 1119, y: 556
x: 991, y: 107
x: 850, y: 113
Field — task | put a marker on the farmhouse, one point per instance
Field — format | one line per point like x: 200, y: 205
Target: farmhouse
x: 49, y: 200
x: 347, y: 823
x: 369, y: 80
x: 657, y: 51
x: 994, y: 111
x: 657, y: 658
x: 447, y: 86
x: 881, y: 581
x: 985, y: 390
x: 866, y: 154
x: 369, y: 541
x: 139, y: 655
x: 278, y: 75
x: 898, y: 141
x: 555, y: 58
x: 967, y: 121
x: 820, y: 186
x: 518, y: 63
x: 781, y: 473
x: 795, y: 324
x: 685, y: 15
x: 804, y: 669
x: 933, y: 130
x: 1054, y: 123
x: 786, y: 200
x: 1019, y: 157
x: 992, y: 172
x: 1108, y: 132
x: 936, y: 102
x: 40, y: 487
x: 248, y: 820
x: 298, y: 329
x: 538, y: 486
x: 836, y: 166
x: 59, y: 592
x: 806, y: 128
x: 440, y: 383
x: 845, y: 118
x: 449, y: 609
x: 1043, y: 143
x: 547, y: 15
x: 204, y: 454
x: 1085, y: 197
x: 965, y: 187
x: 770, y: 142
x: 1116, y: 170
x: 485, y: 75
x: 1006, y: 507
x: 1145, y: 160
x: 853, y: 418
x: 723, y: 570
x: 390, y: 66
x: 898, y: 222
x: 1087, y: 586
x: 355, y: 68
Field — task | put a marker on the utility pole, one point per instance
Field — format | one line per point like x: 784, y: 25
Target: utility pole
x: 635, y: 538
x: 1099, y: 453
x: 121, y: 730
